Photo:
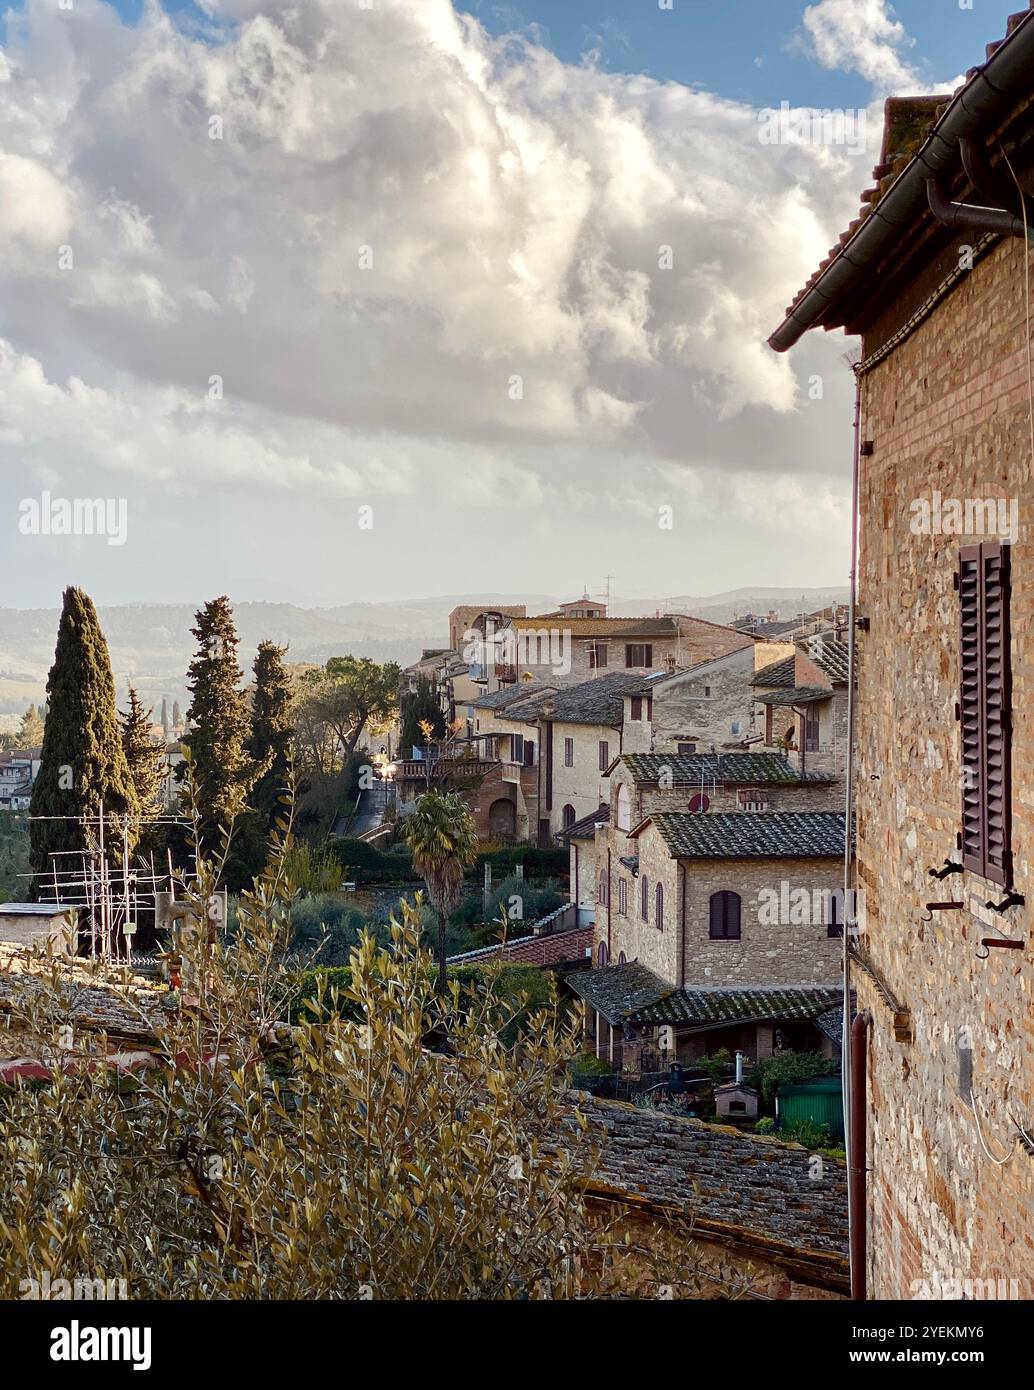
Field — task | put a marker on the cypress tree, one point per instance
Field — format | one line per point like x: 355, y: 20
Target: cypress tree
x: 219, y: 724
x: 30, y: 731
x: 146, y: 759
x: 83, y: 761
x: 176, y: 714
x: 165, y: 716
x: 269, y: 746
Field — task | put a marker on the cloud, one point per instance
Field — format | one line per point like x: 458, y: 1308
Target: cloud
x: 370, y: 224
x: 862, y: 36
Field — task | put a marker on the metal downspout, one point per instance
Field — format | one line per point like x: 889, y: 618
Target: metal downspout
x: 856, y: 1158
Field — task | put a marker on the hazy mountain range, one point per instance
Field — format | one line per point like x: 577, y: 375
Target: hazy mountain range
x: 151, y: 644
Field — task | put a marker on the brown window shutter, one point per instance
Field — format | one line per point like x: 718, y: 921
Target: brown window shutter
x: 985, y: 709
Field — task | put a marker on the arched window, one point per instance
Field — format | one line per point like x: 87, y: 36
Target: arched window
x: 725, y: 916
x: 658, y: 907
x: 624, y: 808
x: 602, y: 955
x: 622, y: 959
x: 568, y: 815
x: 644, y: 900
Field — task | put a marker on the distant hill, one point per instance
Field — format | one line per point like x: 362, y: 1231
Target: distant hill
x: 151, y: 644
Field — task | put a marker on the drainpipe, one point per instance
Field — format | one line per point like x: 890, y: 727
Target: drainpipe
x: 962, y: 217
x: 991, y: 183
x: 856, y: 1164
x: 847, y: 1081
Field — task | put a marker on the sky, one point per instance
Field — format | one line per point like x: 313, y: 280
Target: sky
x: 375, y: 299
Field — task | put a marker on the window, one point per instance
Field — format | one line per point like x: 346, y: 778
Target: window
x: 637, y: 707
x: 529, y: 753
x: 834, y: 917
x: 725, y: 916
x: 602, y: 955
x: 639, y: 654
x: 624, y: 808
x: 644, y: 899
x: 649, y: 706
x: 623, y: 896
x: 602, y: 895
x: 568, y: 752
x: 517, y: 748
x: 568, y: 815
x: 984, y: 710
x: 604, y: 755
x: 811, y: 729
x: 622, y: 958
x: 685, y: 749
x: 658, y: 907
x: 597, y: 655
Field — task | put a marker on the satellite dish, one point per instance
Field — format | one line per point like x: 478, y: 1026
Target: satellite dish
x: 700, y: 803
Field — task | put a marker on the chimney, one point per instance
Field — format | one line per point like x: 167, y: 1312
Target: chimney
x: 739, y: 1069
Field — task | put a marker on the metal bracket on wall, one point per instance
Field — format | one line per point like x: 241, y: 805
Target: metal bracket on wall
x: 931, y: 908
x: 1011, y: 899
x: 1003, y: 943
x: 950, y: 867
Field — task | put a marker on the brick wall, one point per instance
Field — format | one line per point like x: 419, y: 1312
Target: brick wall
x: 947, y: 410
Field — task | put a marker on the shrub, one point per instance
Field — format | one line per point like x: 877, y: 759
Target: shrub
x: 766, y: 1125
x: 806, y: 1132
x: 588, y: 1064
x: 366, y: 864
x: 789, y: 1067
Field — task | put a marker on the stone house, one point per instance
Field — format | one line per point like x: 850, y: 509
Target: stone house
x: 712, y: 705
x: 19, y: 768
x: 932, y: 277
x: 803, y: 704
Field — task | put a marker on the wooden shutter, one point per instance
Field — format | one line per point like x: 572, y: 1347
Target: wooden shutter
x: 985, y: 709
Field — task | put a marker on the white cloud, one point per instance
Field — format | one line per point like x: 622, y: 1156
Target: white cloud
x: 862, y: 36
x: 520, y: 216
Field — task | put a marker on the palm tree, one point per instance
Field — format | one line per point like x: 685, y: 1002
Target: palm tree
x: 443, y: 841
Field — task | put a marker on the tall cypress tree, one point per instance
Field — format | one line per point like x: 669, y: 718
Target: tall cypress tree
x: 83, y: 762
x: 219, y: 724
x: 146, y: 759
x: 165, y: 716
x: 269, y: 746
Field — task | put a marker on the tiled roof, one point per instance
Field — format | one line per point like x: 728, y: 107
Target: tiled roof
x: 599, y: 701
x: 798, y: 695
x: 556, y: 948
x: 512, y: 695
x: 602, y: 627
x: 703, y: 1007
x: 750, y: 834
x: 619, y: 990
x: 779, y: 673
x: 585, y: 829
x: 633, y: 994
x: 830, y: 655
x: 694, y: 768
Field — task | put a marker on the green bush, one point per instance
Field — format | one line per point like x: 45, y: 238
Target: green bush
x: 537, y: 862
x: 790, y: 1068
x: 806, y: 1132
x: 766, y: 1125
x: 364, y: 863
x: 716, y: 1065
x: 588, y: 1064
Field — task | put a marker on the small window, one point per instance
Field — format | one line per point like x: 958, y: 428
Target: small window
x: 568, y: 752
x: 597, y: 655
x: 686, y: 749
x: 622, y: 959
x: 658, y: 907
x: 811, y: 729
x: 604, y: 755
x: 637, y: 707
x: 834, y: 917
x: 644, y: 899
x: 517, y: 748
x: 623, y: 896
x: 725, y: 916
x: 624, y: 808
x: 639, y: 654
x: 568, y: 815
x: 602, y: 955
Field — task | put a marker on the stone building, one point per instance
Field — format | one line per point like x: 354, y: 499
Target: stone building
x: 932, y: 276
x: 804, y: 704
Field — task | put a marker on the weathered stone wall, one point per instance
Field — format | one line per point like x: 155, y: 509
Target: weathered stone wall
x: 946, y: 411
x: 712, y: 706
x: 787, y: 952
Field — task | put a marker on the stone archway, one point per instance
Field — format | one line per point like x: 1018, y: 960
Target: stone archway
x: 502, y: 819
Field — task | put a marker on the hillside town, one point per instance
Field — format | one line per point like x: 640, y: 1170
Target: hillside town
x: 596, y: 954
